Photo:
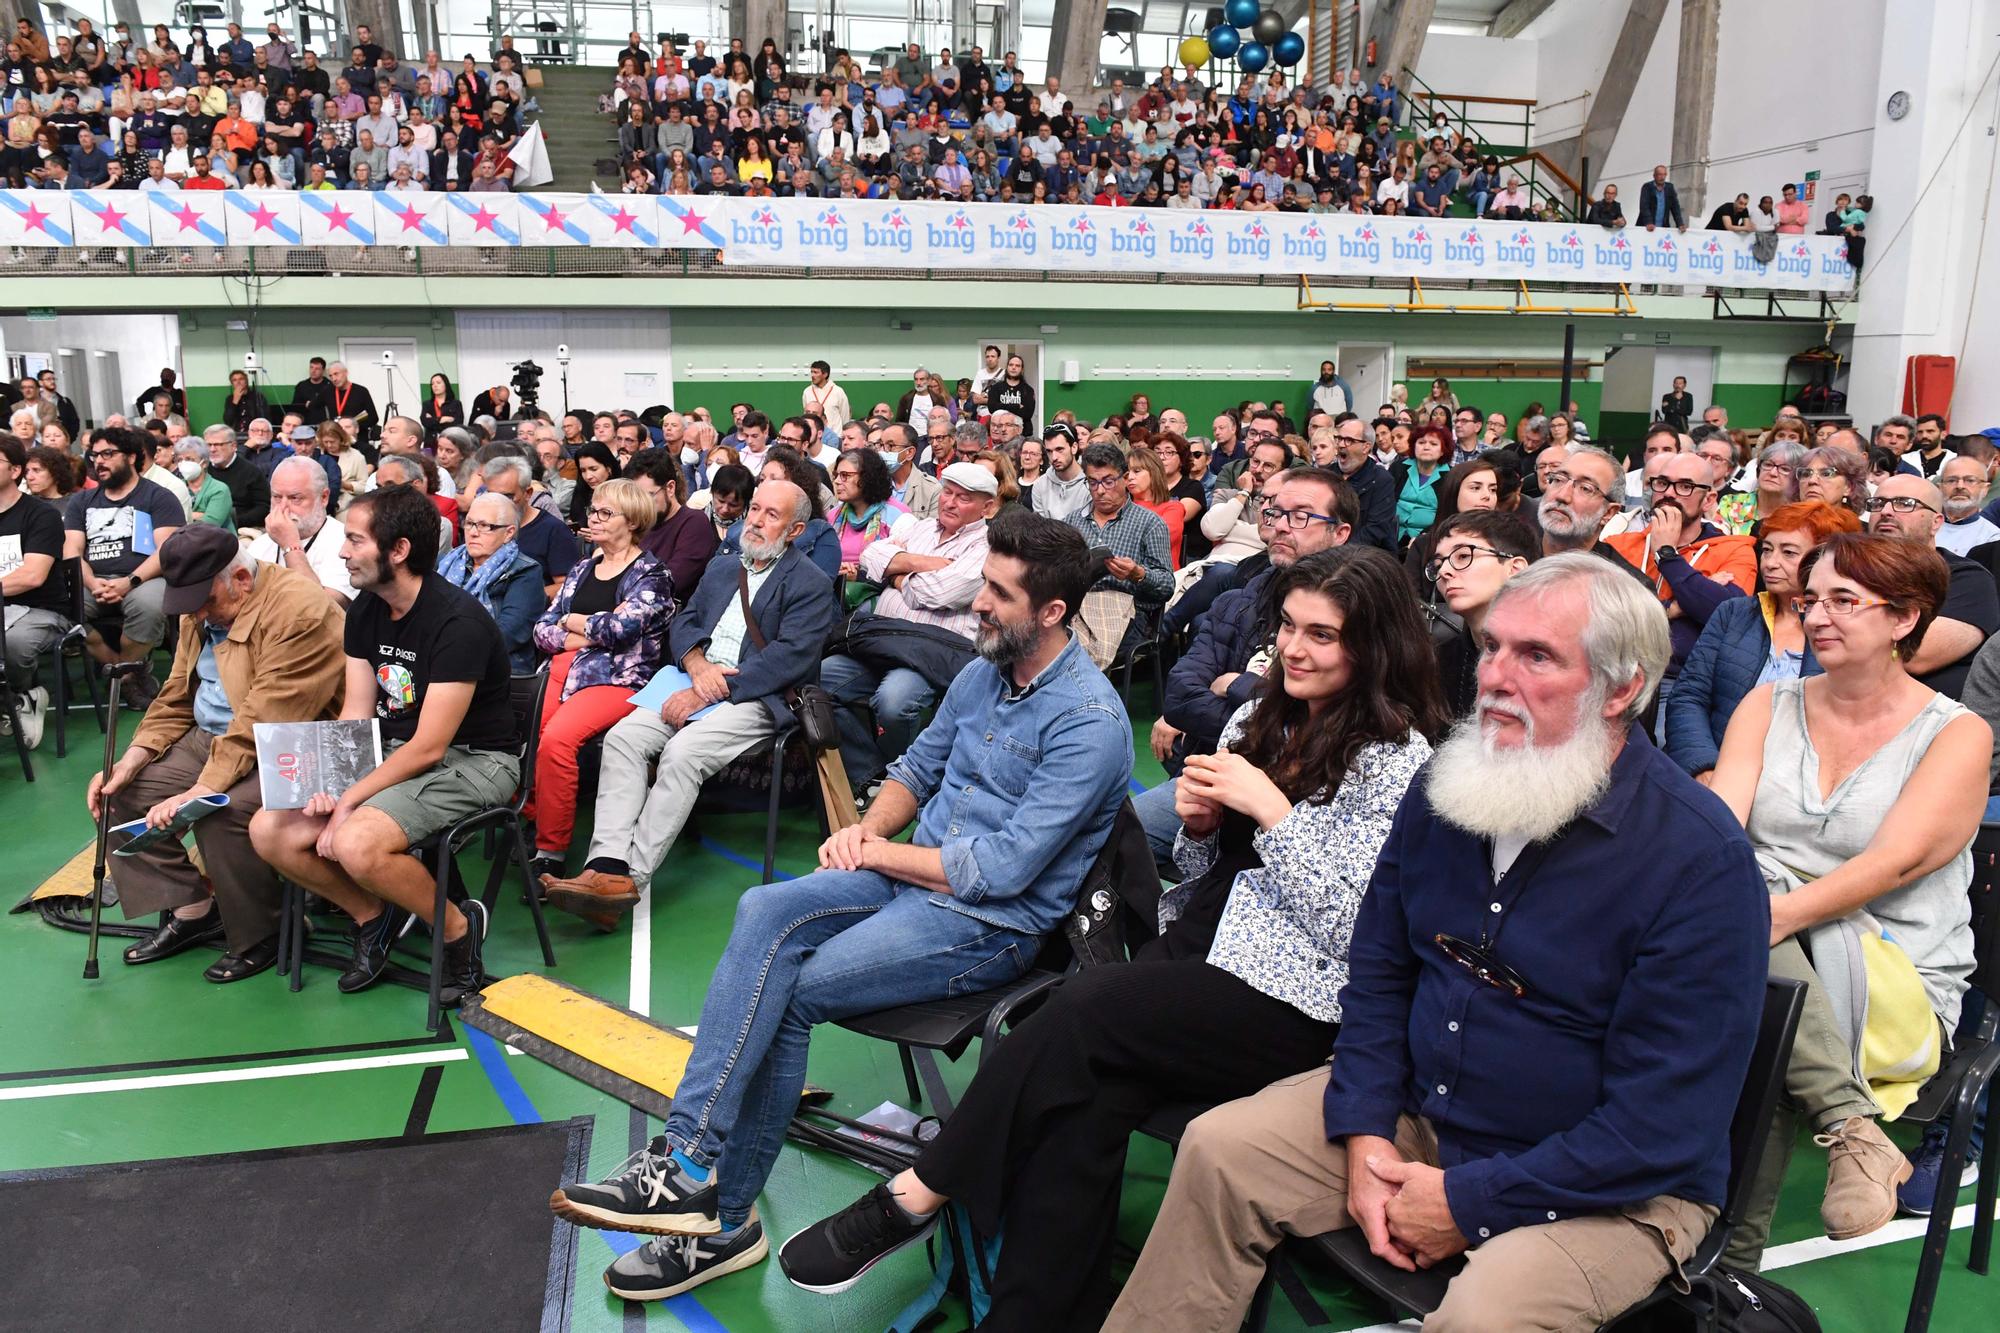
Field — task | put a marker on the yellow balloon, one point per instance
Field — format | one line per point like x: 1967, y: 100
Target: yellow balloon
x: 1194, y: 51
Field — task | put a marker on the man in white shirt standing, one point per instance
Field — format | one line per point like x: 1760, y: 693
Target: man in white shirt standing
x: 990, y: 370
x: 825, y: 399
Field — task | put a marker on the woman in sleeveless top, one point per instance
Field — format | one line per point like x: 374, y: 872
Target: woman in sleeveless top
x: 1861, y: 790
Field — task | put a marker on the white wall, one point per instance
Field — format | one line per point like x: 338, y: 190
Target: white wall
x: 1479, y: 66
x: 143, y: 344
x: 615, y: 358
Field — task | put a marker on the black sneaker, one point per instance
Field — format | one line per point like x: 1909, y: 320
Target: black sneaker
x: 831, y: 1255
x: 651, y: 1194
x: 139, y: 691
x: 372, y: 943
x: 674, y: 1264
x: 463, y: 974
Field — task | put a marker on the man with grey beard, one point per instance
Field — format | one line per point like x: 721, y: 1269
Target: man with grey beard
x: 753, y: 630
x: 1555, y: 896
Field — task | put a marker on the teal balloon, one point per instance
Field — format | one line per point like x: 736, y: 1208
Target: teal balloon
x: 1290, y: 50
x: 1239, y: 13
x: 1253, y: 56
x: 1268, y: 28
x: 1223, y: 41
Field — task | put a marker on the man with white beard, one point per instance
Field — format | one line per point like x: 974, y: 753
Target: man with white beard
x: 1556, y: 899
x: 1963, y: 481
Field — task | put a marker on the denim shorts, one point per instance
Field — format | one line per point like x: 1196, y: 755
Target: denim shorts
x: 461, y: 784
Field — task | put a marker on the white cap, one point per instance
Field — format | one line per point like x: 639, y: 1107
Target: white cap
x: 971, y: 477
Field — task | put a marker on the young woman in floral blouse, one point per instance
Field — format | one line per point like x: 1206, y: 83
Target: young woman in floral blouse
x: 1280, y: 831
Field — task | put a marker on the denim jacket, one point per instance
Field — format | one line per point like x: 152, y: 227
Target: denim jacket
x: 626, y: 644
x: 1019, y: 789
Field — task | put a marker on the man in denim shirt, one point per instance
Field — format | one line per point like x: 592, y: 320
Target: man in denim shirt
x: 1013, y: 787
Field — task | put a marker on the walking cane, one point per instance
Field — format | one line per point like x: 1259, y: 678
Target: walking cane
x: 117, y: 671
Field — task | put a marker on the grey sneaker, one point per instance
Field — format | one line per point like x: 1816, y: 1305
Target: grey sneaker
x: 34, y: 713
x: 671, y: 1265
x: 651, y: 1193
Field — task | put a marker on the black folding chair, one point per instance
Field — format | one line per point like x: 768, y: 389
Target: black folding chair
x: 1422, y: 1292
x: 72, y: 648
x: 10, y: 703
x: 1955, y: 1091
x: 439, y: 853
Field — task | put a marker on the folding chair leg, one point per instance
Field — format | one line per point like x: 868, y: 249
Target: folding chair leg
x: 519, y: 837
x: 60, y: 703
x: 1983, y: 1195
x: 910, y: 1076
x: 299, y: 908
x: 284, y: 927
x: 771, y: 819
x: 445, y: 866
x: 1930, y: 1263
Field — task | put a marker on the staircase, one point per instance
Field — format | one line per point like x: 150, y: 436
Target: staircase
x: 578, y: 133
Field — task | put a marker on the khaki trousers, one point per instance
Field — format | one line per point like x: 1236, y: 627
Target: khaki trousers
x: 1251, y: 1172
x: 162, y: 877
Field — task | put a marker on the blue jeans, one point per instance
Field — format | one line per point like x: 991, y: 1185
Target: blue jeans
x: 879, y: 715
x: 1155, y: 808
x: 830, y: 945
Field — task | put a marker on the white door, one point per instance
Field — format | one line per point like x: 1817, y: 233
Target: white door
x: 1369, y: 368
x: 1697, y: 363
x: 1031, y: 373
x: 394, y: 385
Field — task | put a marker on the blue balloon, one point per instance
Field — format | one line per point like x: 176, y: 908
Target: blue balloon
x: 1240, y: 13
x: 1253, y: 56
x: 1223, y: 41
x: 1290, y: 50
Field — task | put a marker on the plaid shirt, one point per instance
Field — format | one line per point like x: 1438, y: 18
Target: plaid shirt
x: 1133, y: 534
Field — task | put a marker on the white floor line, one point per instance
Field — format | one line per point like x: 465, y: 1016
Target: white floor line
x: 639, y: 991
x: 1798, y: 1252
x: 250, y: 1075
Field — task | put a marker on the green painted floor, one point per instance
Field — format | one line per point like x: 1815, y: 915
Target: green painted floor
x: 187, y: 1032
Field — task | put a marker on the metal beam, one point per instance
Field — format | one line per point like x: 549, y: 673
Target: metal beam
x: 1076, y: 36
x: 1510, y: 21
x: 1694, y: 98
x: 1614, y: 90
x: 1398, y: 29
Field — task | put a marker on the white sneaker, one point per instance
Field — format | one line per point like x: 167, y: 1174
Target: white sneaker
x: 34, y: 715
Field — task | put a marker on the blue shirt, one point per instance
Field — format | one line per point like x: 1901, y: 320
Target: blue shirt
x: 212, y: 710
x: 1642, y: 932
x: 1019, y: 787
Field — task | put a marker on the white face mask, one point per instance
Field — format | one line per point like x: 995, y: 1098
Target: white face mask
x: 188, y: 468
x: 690, y: 455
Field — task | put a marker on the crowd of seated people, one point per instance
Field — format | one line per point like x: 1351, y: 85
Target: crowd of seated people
x: 1758, y: 652
x: 219, y: 111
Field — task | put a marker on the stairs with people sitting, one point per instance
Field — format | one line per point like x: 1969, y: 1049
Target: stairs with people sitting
x: 578, y: 133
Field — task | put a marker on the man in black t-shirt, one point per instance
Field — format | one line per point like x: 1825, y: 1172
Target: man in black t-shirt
x: 427, y: 662
x: 117, y: 529
x: 313, y: 395
x: 31, y: 588
x: 1013, y: 392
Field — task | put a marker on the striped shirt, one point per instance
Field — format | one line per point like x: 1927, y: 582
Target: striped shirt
x: 941, y: 597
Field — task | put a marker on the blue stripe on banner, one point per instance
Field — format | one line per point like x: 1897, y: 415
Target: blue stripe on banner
x: 493, y: 1063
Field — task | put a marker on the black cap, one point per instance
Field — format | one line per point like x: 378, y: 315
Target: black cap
x: 189, y: 561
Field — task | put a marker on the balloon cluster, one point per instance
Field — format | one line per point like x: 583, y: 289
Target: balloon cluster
x: 1269, y: 39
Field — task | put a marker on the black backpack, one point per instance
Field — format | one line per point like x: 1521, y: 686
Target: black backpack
x: 1747, y: 1302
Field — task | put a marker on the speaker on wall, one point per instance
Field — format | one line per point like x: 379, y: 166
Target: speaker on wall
x: 1072, y: 372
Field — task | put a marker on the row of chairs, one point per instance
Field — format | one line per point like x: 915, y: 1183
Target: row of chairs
x: 68, y: 653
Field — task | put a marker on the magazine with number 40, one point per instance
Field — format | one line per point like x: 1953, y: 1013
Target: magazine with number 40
x: 297, y: 761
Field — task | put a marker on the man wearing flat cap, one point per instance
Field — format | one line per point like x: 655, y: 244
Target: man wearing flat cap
x: 929, y: 575
x: 258, y: 643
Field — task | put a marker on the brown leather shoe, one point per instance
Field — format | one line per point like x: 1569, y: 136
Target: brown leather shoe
x: 593, y: 895
x: 1863, y: 1170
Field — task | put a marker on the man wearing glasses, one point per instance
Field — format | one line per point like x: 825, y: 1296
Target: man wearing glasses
x: 1369, y: 480
x: 1303, y: 511
x: 1500, y: 935
x: 1138, y: 571
x: 1963, y: 481
x: 1466, y: 442
x: 1910, y: 508
x: 1693, y: 565
x: 117, y: 527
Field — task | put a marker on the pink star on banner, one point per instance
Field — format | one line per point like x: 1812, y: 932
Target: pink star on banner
x: 262, y: 217
x: 1020, y: 223
x: 830, y: 218
x: 1081, y: 224
x: 34, y: 220
x: 337, y: 218
x: 553, y: 220
x: 483, y: 220
x: 1257, y: 229
x: 1199, y: 229
x: 111, y: 218
x: 413, y: 220
x: 1141, y: 227
x: 896, y: 220
x: 622, y: 221
x: 691, y: 222
x: 960, y: 221
x: 189, y: 219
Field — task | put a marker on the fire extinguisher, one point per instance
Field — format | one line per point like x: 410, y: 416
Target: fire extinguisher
x: 1371, y: 53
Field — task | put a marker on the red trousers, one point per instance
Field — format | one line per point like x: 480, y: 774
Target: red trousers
x: 566, y: 728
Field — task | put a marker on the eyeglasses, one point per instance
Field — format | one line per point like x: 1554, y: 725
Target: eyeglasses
x: 1478, y: 959
x: 1295, y: 519
x: 599, y: 512
x: 99, y: 455
x: 481, y: 525
x: 1255, y: 436
x: 1780, y: 469
x: 1902, y: 504
x: 1684, y: 487
x: 1105, y: 483
x: 1823, y: 473
x: 1461, y: 557
x: 1588, y: 489
x: 1838, y: 604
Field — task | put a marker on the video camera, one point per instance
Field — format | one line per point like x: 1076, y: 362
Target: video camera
x: 528, y: 382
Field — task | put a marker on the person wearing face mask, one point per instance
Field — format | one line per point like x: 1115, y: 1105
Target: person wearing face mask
x: 210, y: 500
x: 911, y: 487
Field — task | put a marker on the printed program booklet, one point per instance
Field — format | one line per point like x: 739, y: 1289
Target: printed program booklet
x: 299, y: 760
x: 184, y: 819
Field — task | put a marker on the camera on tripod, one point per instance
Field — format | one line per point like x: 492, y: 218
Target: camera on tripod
x: 528, y: 381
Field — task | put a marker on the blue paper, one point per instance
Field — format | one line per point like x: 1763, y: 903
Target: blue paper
x: 184, y: 819
x: 665, y: 684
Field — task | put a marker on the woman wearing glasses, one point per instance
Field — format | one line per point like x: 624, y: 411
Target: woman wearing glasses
x: 1834, y: 476
x: 491, y: 567
x: 1280, y: 831
x: 1750, y: 641
x: 1861, y: 790
x: 1778, y: 466
x: 606, y: 636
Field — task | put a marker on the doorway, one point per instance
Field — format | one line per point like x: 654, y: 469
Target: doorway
x: 393, y: 385
x: 1369, y: 369
x: 1031, y: 372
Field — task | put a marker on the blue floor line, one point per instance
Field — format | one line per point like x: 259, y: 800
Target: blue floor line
x: 493, y: 1063
x: 738, y: 859
x: 1136, y: 787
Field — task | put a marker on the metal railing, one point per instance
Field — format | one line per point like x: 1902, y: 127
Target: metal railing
x: 1484, y: 120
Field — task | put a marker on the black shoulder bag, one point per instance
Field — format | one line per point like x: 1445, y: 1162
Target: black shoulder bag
x: 812, y: 705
